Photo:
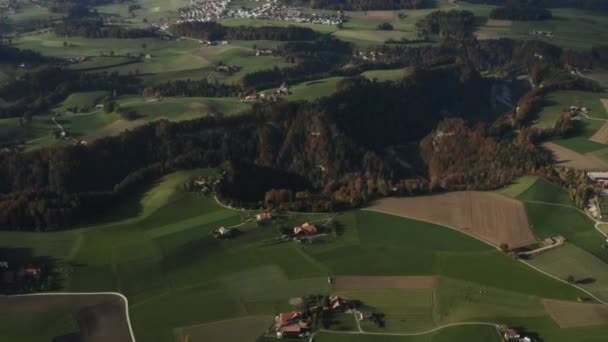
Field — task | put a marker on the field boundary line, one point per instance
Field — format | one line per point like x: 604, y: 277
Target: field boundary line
x: 522, y: 261
x: 410, y: 334
x: 563, y: 281
x: 437, y: 224
x: 118, y: 294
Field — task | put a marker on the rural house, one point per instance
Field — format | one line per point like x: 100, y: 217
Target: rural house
x: 285, y: 318
x: 224, y: 232
x: 598, y: 177
x: 262, y: 217
x: 305, y: 229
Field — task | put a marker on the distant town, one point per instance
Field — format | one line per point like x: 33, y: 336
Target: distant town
x: 212, y: 10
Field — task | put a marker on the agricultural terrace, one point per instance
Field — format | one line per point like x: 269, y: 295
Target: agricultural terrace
x: 153, y: 247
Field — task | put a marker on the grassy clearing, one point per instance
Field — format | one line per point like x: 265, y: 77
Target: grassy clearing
x: 385, y: 74
x: 311, y: 90
x: 588, y: 271
x: 518, y: 187
x: 562, y: 100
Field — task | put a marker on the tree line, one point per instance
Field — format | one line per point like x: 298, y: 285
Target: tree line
x: 454, y: 24
x: 521, y: 12
x: 212, y: 31
x: 94, y: 27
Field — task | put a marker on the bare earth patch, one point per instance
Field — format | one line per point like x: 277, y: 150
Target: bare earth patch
x: 231, y: 330
x: 349, y: 283
x: 100, y: 317
x: 499, y: 23
x: 572, y: 314
x: 115, y: 128
x: 487, y: 216
x: 486, y: 35
x: 378, y: 15
x: 566, y: 157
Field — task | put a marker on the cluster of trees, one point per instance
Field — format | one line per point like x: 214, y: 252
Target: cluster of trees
x: 366, y: 5
x: 94, y: 27
x: 213, y: 31
x: 452, y: 24
x: 39, y: 90
x: 193, y: 88
x: 10, y: 54
x: 522, y: 12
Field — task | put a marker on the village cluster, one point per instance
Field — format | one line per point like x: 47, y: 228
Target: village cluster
x: 298, y: 323
x: 212, y: 10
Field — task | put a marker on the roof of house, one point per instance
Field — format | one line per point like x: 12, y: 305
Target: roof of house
x: 596, y: 175
x: 309, y: 228
x: 291, y: 329
x: 285, y: 317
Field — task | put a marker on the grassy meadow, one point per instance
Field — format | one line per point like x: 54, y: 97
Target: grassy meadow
x: 157, y: 249
x: 558, y: 102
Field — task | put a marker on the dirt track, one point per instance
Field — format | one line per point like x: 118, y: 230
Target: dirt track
x: 488, y: 216
x: 101, y: 317
x: 572, y: 314
x: 569, y: 158
x: 347, y: 283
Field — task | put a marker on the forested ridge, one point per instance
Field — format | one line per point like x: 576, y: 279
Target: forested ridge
x: 56, y: 188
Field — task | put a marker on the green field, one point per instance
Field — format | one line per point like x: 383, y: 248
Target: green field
x: 38, y: 133
x: 519, y: 186
x: 158, y: 251
x: 551, y: 212
x: 571, y: 28
x: 310, y: 90
x: 588, y: 271
x: 558, y: 102
x: 385, y: 74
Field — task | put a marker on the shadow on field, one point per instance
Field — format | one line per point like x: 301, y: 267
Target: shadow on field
x: 126, y: 207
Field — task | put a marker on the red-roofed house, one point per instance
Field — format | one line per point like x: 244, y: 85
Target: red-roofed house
x: 306, y: 229
x: 285, y: 318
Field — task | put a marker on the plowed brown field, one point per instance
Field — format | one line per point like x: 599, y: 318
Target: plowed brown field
x: 487, y: 216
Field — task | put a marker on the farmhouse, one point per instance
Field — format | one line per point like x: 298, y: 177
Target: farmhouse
x: 224, y: 232
x: 305, y: 229
x: 250, y: 98
x: 285, y: 318
x: 263, y: 52
x: 283, y: 89
x: 598, y: 177
x: 263, y: 217
x: 339, y: 304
